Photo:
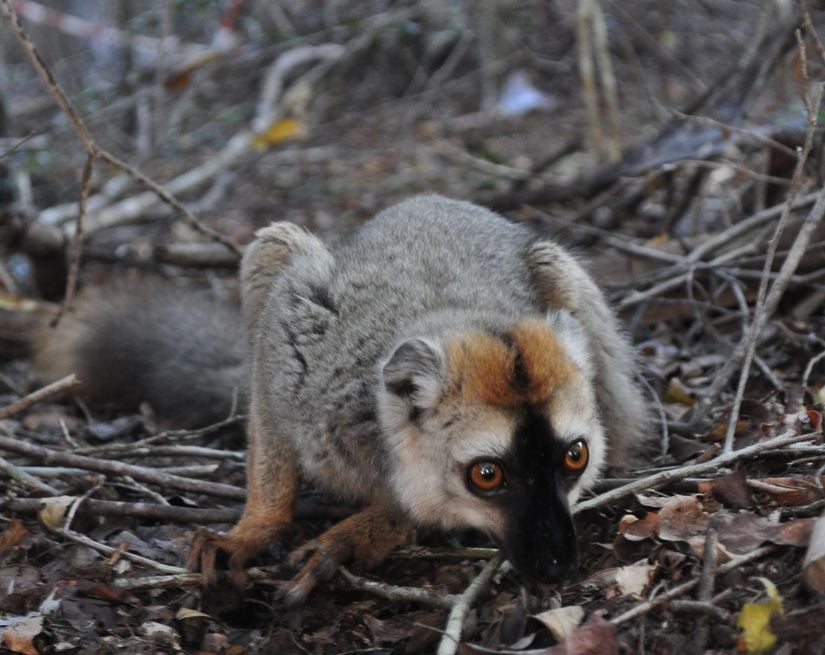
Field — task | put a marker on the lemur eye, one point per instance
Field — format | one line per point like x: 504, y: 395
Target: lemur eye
x: 576, y: 457
x: 486, y: 476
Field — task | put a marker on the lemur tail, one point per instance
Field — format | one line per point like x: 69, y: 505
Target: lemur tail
x: 180, y: 351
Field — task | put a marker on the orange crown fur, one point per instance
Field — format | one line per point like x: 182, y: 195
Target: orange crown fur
x: 488, y: 370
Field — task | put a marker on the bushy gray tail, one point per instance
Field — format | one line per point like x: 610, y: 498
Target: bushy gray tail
x: 178, y: 350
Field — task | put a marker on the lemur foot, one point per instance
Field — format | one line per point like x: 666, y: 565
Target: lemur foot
x: 365, y: 540
x: 241, y: 543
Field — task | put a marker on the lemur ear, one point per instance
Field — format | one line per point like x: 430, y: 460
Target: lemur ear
x: 572, y: 336
x: 414, y: 373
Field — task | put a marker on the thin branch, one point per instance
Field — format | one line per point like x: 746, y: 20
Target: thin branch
x: 455, y: 622
x: 109, y: 467
x: 399, y: 594
x: 306, y: 508
x: 810, y: 29
x: 682, y: 472
x: 26, y: 480
x: 108, y: 550
x: 61, y: 385
x: 764, y: 310
x: 643, y: 608
x: 149, y: 511
x: 93, y: 150
x: 77, y: 242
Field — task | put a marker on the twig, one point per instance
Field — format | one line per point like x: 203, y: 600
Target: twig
x: 707, y: 581
x: 267, y: 111
x: 150, y: 511
x: 399, y: 594
x: 171, y: 435
x: 108, y: 550
x: 810, y: 29
x: 77, y: 242
x: 141, y: 473
x: 810, y: 367
x: 93, y: 150
x: 671, y: 475
x: 608, y: 80
x: 174, y: 581
x: 455, y: 622
x: 67, y: 522
x: 25, y: 479
x: 420, y: 552
x: 790, y: 264
x: 64, y: 384
x: 166, y: 451
x: 764, y: 310
x: 585, y: 17
x: 258, y: 574
x: 685, y: 587
x: 306, y: 508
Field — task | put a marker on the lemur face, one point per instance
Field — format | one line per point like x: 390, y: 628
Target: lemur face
x: 497, y: 432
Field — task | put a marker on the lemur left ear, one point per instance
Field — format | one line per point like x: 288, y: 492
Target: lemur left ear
x: 572, y: 336
x: 414, y: 374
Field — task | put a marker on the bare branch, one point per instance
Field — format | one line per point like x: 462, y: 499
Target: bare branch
x: 61, y: 385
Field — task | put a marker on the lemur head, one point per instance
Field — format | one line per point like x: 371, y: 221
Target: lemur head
x: 498, y: 432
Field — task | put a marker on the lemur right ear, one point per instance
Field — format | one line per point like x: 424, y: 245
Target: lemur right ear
x: 414, y: 374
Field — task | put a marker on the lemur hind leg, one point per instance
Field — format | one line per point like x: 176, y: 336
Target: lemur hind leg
x: 272, y: 485
x: 364, y: 539
x: 272, y: 467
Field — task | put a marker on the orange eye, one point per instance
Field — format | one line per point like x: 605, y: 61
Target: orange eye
x: 576, y: 457
x: 486, y: 476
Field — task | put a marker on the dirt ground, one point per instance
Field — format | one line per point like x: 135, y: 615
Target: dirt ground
x: 692, y: 188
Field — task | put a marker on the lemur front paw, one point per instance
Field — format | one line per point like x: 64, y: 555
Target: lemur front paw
x: 364, y: 540
x: 241, y: 544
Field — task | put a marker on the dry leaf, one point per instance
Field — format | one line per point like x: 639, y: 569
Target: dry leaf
x: 186, y: 613
x: 813, y: 566
x: 754, y: 622
x: 791, y: 491
x: 632, y: 580
x: 285, y: 129
x: 54, y: 510
x: 741, y: 533
x: 561, y: 621
x: 636, y: 529
x: 677, y: 393
x: 731, y: 489
x: 18, y: 632
x: 19, y: 636
x: 13, y: 535
x: 595, y: 637
x: 681, y: 518
x: 623, y: 580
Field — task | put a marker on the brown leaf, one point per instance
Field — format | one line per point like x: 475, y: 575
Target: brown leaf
x: 105, y: 592
x: 741, y: 533
x: 389, y: 631
x: 636, y: 529
x: 813, y: 566
x: 790, y: 491
x: 19, y: 636
x: 681, y: 518
x: 595, y: 637
x: 561, y: 621
x: 731, y: 489
x: 13, y: 535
